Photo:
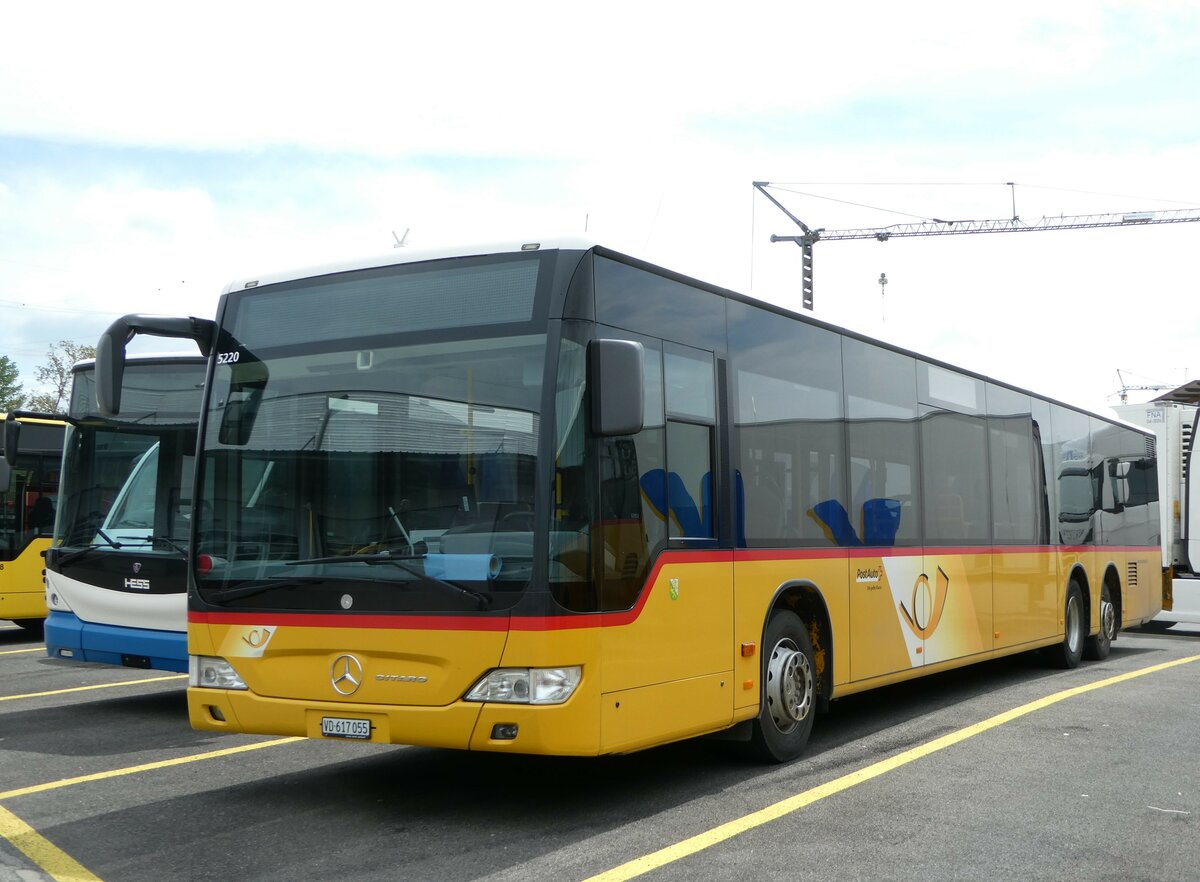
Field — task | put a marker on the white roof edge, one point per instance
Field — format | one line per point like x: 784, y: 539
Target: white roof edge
x: 144, y: 356
x: 398, y: 257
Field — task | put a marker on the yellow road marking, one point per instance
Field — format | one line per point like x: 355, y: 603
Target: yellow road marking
x: 19, y: 651
x: 736, y: 827
x: 50, y: 858
x: 146, y: 767
x: 58, y: 864
x: 97, y: 686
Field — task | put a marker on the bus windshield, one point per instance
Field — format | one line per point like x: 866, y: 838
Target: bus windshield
x: 384, y: 471
x: 27, y: 502
x: 127, y: 481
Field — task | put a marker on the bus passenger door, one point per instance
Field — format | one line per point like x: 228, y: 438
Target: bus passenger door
x: 668, y: 659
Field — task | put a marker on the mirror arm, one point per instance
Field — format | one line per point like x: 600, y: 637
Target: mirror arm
x: 110, y: 351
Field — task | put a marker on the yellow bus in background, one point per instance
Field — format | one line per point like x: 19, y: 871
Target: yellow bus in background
x: 28, y: 500
x: 549, y: 498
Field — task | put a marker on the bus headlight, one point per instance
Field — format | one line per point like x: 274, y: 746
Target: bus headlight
x: 213, y: 673
x: 527, y: 685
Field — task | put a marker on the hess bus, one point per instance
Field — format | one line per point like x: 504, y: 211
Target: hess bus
x: 552, y: 499
x: 28, y: 495
x: 116, y: 581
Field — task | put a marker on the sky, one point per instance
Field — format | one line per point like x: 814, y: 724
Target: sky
x: 150, y: 153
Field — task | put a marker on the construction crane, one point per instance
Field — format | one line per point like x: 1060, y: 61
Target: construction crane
x: 1126, y: 388
x: 936, y: 227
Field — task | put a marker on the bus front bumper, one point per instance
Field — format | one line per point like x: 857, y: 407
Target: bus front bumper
x: 69, y: 637
x: 569, y: 729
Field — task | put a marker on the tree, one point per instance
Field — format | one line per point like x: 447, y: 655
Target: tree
x: 11, y: 394
x: 55, y: 375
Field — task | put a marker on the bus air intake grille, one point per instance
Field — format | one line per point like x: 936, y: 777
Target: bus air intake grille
x: 1132, y: 578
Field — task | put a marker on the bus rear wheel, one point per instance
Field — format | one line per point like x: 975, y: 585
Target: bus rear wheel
x: 789, y: 692
x: 1068, y: 653
x: 1098, y: 647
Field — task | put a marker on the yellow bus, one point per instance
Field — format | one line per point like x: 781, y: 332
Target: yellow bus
x: 552, y: 499
x: 28, y: 497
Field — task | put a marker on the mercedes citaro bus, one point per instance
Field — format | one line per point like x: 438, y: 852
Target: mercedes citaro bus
x: 548, y: 498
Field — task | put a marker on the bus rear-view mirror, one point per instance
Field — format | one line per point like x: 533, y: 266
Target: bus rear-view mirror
x: 12, y: 443
x: 616, y: 369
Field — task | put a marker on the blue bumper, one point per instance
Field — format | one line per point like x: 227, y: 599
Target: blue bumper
x: 67, y: 636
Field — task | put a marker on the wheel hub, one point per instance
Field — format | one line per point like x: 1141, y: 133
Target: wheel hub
x: 789, y: 685
x: 1108, y: 619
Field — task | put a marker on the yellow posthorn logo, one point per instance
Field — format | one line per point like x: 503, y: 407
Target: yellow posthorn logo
x: 247, y: 642
x: 257, y: 637
x: 913, y: 619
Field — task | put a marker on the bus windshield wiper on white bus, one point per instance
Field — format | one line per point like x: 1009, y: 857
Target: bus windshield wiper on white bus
x: 84, y: 550
x: 163, y: 540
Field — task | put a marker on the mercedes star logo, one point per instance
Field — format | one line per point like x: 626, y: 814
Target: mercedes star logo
x: 346, y: 674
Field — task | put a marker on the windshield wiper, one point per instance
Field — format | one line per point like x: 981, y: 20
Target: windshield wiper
x: 163, y: 540
x: 89, y: 548
x: 378, y: 557
x: 398, y: 560
x: 249, y: 589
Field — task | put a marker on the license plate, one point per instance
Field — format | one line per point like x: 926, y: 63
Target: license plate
x: 344, y: 727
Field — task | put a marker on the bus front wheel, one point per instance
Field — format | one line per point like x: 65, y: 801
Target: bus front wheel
x: 789, y: 692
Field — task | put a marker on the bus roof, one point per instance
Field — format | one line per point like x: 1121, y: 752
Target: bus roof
x: 413, y: 256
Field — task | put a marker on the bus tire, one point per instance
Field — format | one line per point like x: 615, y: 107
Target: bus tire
x: 789, y: 690
x: 1098, y: 647
x: 1068, y: 653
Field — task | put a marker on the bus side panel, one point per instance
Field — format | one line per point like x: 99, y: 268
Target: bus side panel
x: 882, y: 589
x: 955, y: 613
x: 1025, y: 591
x: 681, y: 643
x: 1140, y: 574
x: 22, y: 591
x: 653, y: 715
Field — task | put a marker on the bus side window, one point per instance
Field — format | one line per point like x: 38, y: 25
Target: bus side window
x: 691, y: 419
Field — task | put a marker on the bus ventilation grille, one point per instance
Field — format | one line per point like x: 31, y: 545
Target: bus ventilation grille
x: 1131, y: 578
